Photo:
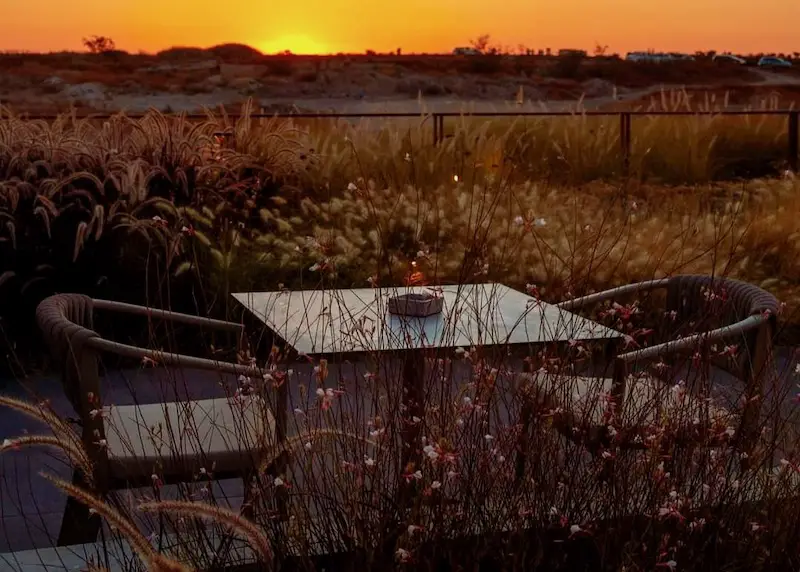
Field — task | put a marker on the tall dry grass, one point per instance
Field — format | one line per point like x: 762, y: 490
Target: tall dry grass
x: 160, y: 210
x: 225, y: 211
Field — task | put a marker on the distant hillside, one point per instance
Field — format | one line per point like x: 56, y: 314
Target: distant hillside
x: 236, y: 53
x: 239, y: 53
x: 182, y: 53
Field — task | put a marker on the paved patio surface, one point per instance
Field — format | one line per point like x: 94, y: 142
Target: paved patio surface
x: 31, y: 508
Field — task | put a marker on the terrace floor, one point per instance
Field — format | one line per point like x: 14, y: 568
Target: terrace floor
x: 31, y: 508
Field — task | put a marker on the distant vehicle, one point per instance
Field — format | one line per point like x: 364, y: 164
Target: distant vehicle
x: 466, y: 52
x: 656, y: 57
x: 728, y: 59
x: 773, y: 62
x: 642, y: 57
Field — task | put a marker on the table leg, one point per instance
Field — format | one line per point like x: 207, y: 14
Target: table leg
x: 526, y: 418
x: 282, y: 462
x: 414, y: 410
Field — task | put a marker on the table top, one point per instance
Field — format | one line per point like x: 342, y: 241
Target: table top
x: 357, y: 320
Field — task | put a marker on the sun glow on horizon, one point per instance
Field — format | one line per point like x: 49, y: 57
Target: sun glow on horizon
x: 300, y: 44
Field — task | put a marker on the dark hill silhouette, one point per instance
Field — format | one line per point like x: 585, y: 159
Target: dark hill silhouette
x: 183, y: 53
x: 235, y: 53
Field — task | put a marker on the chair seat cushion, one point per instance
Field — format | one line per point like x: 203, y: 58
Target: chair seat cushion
x: 187, y: 436
x: 647, y: 402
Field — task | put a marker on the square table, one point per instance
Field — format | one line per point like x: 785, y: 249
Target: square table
x: 327, y: 322
x: 352, y: 321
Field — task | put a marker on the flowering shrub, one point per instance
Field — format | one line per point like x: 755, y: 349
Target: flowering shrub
x: 492, y: 475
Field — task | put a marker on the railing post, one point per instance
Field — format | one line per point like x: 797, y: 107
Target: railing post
x: 625, y: 140
x: 438, y: 128
x: 793, y: 135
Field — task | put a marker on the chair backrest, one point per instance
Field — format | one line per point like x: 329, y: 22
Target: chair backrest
x: 733, y: 301
x: 709, y: 302
x: 694, y: 296
x: 66, y: 322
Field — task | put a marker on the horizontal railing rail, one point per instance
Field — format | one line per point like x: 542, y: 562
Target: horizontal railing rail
x: 389, y: 114
x: 437, y: 119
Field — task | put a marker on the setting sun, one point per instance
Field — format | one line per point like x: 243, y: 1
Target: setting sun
x: 295, y: 43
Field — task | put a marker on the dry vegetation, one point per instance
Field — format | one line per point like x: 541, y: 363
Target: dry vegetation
x: 95, y: 207
x: 46, y: 83
x: 74, y: 192
x: 722, y: 97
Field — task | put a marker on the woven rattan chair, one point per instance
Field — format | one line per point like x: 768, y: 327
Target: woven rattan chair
x: 133, y: 445
x: 724, y: 311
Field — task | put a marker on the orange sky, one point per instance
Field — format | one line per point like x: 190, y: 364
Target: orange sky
x: 414, y: 25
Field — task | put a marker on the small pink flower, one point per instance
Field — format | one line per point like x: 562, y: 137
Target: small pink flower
x: 629, y: 342
x: 9, y: 444
x: 576, y: 530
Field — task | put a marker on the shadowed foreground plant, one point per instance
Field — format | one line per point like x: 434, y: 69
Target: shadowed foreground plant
x: 63, y: 438
x: 76, y: 454
x: 155, y: 562
x: 229, y: 518
x: 305, y: 439
x: 40, y: 412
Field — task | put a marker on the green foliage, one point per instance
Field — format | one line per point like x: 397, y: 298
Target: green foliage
x: 163, y: 208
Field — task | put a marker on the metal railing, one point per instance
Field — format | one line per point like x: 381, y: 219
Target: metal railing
x: 625, y: 121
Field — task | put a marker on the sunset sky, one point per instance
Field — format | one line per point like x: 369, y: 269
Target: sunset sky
x: 320, y: 26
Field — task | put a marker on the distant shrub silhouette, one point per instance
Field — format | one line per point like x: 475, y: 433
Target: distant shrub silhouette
x: 99, y: 44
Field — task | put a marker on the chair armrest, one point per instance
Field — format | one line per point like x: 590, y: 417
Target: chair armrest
x: 576, y: 303
x: 692, y: 341
x: 167, y: 315
x: 166, y: 358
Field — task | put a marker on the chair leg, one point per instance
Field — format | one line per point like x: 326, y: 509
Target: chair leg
x: 247, y: 511
x: 248, y: 496
x: 79, y: 525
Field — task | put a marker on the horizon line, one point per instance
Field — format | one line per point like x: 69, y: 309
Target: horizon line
x: 374, y: 53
